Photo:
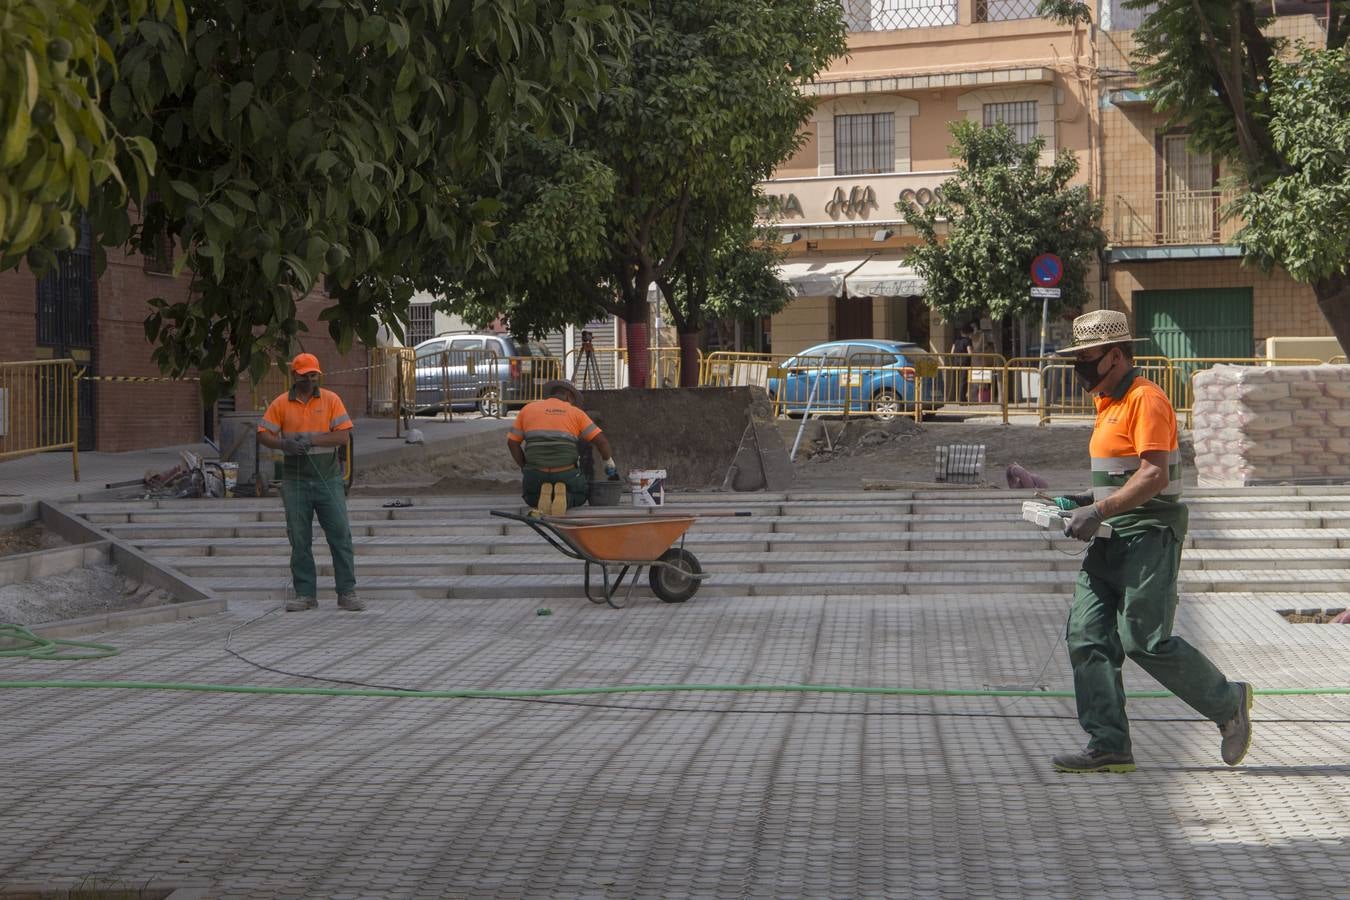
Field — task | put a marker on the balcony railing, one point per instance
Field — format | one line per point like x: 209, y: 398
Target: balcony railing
x: 1005, y: 10
x: 895, y: 15
x: 1169, y: 218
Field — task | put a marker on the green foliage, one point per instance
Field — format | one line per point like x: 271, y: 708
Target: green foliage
x: 708, y: 105
x: 1002, y: 209
x: 1300, y: 218
x: 322, y: 138
x: 57, y: 149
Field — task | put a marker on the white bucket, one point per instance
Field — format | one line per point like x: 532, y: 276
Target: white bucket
x: 231, y: 472
x: 648, y: 486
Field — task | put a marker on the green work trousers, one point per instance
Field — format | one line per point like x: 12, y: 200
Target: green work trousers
x: 531, y: 480
x: 306, y: 498
x: 1123, y: 606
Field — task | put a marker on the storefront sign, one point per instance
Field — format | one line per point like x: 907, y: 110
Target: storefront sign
x: 781, y: 206
x: 857, y: 202
x: 922, y: 197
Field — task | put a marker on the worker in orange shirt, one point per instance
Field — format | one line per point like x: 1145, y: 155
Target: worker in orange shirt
x: 308, y: 424
x: 1126, y: 594
x: 545, y: 441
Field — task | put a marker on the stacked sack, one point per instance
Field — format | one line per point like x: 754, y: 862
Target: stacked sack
x: 1255, y: 425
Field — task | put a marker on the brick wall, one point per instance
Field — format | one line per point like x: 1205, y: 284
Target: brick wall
x: 1281, y: 307
x: 130, y: 416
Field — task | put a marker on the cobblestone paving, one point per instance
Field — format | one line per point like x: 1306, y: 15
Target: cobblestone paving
x: 714, y: 794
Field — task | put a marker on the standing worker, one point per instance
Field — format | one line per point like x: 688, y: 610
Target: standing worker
x: 1127, y: 588
x: 305, y: 419
x: 545, y: 441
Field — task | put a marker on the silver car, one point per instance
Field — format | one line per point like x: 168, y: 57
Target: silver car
x: 467, y: 370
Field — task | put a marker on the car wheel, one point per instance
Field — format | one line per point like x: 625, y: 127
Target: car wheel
x: 885, y: 405
x: 490, y: 402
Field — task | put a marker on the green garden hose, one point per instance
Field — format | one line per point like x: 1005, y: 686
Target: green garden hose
x: 32, y: 646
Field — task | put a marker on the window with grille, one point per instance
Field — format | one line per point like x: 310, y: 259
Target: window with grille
x: 864, y: 144
x: 1005, y: 10
x: 896, y: 15
x: 1019, y: 116
x: 421, y: 323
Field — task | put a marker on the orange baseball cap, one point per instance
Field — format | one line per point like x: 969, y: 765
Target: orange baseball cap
x: 304, y: 363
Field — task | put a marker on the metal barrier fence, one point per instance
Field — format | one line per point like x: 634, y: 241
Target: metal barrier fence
x: 606, y: 368
x: 1043, y: 386
x: 390, y: 381
x: 1337, y: 361
x: 39, y: 409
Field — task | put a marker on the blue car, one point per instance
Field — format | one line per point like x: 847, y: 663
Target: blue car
x: 867, y: 377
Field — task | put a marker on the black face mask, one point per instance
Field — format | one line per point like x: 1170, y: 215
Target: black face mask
x: 1089, y: 373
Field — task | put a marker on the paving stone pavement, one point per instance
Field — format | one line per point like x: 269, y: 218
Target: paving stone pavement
x: 711, y: 794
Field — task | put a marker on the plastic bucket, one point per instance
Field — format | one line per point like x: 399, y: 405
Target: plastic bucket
x: 604, y: 493
x: 648, y: 486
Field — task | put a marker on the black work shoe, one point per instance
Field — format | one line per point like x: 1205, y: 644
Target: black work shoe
x: 1237, y: 731
x: 1090, y: 760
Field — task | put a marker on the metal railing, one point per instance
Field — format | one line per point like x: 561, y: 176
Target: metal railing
x: 1006, y: 10
x: 896, y: 15
x: 39, y: 409
x: 390, y: 381
x: 606, y: 368
x: 1173, y: 217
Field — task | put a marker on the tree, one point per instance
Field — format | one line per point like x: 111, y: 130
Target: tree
x: 58, y: 148
x: 1002, y: 209
x: 1210, y: 65
x: 1300, y: 218
x: 728, y: 272
x: 315, y: 138
x: 709, y: 103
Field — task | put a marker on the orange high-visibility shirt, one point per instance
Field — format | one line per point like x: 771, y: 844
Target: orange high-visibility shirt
x: 552, y: 431
x: 287, y: 416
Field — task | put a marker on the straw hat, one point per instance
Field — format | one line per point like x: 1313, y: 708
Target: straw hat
x: 1099, y: 328
x: 553, y: 384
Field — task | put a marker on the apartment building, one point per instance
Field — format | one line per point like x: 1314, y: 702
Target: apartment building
x: 1172, y: 264
x: 880, y: 134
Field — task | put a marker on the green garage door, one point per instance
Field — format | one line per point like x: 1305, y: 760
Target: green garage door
x: 1200, y: 323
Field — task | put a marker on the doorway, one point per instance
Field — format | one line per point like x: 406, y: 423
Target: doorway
x: 65, y: 325
x: 852, y: 318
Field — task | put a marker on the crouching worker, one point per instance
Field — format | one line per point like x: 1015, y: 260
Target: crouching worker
x: 545, y: 442
x: 308, y: 424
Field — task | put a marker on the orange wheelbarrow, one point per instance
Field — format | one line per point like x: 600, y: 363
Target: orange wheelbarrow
x: 629, y: 542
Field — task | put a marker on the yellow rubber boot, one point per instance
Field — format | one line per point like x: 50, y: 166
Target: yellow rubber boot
x: 545, y: 500
x: 559, y: 500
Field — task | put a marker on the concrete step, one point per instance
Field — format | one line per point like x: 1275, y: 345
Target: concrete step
x: 834, y: 583
x: 277, y: 561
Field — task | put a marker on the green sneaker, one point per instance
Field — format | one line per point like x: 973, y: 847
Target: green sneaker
x: 1237, y: 731
x: 1090, y: 760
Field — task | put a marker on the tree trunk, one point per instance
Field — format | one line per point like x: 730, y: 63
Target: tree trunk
x: 639, y: 356
x: 689, y: 359
x: 1333, y: 298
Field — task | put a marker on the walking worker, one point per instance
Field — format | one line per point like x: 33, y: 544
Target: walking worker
x: 1127, y: 588
x: 545, y: 441
x: 308, y: 424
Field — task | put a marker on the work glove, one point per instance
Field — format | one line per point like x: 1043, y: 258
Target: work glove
x: 1083, y: 522
x: 611, y: 470
x: 1073, y: 501
x: 296, y: 445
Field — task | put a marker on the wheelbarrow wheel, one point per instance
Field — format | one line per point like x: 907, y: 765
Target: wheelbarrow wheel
x: 677, y: 580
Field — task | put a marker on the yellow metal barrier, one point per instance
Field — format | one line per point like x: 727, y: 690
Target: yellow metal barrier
x: 974, y: 380
x: 39, y: 409
x: 725, y: 368
x: 275, y: 382
x: 390, y: 381
x: 604, y: 368
x: 1337, y: 361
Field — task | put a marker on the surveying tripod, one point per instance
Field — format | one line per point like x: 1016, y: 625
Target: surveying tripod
x: 586, y: 374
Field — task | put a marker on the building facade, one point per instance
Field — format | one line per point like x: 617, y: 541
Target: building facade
x: 880, y: 133
x: 100, y: 323
x: 1172, y: 264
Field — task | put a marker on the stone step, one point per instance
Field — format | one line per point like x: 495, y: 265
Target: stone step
x: 732, y: 584
x: 1027, y: 539
x: 277, y: 562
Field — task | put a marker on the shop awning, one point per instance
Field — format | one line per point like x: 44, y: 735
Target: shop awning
x: 819, y: 278
x: 862, y: 278
x: 885, y: 278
